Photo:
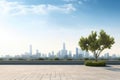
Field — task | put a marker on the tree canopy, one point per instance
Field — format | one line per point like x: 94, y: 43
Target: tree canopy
x: 96, y: 43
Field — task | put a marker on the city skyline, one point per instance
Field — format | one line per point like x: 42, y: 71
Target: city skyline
x: 62, y: 53
x: 46, y: 24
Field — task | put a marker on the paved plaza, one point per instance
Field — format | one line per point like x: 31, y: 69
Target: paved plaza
x: 58, y: 72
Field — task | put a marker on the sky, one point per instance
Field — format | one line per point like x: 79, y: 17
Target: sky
x: 46, y: 24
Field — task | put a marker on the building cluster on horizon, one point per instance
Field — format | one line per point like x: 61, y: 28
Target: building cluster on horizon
x: 61, y: 54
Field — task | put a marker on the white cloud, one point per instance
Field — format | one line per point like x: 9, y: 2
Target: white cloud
x: 76, y: 1
x: 80, y: 2
x: 70, y: 0
x: 44, y: 9
x: 15, y: 8
x: 68, y: 8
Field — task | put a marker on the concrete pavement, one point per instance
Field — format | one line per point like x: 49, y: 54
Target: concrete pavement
x: 59, y: 72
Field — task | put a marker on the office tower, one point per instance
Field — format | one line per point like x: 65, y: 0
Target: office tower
x: 38, y: 54
x: 70, y: 54
x: 81, y: 55
x: 77, y: 54
x: 49, y: 55
x: 64, y: 46
x: 53, y: 53
x: 58, y: 55
x: 106, y: 56
x: 63, y: 52
x: 37, y: 51
x: 30, y: 50
x: 86, y: 55
x: 114, y: 56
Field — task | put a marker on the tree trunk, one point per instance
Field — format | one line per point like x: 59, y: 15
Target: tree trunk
x: 96, y: 57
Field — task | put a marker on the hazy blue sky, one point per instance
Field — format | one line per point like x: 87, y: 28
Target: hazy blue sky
x: 46, y: 24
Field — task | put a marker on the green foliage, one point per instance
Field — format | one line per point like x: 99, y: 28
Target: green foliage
x: 56, y: 58
x: 11, y: 59
x: 118, y: 58
x: 41, y: 59
x: 1, y: 59
x: 94, y: 63
x: 86, y: 59
x: 69, y: 59
x: 96, y: 43
x: 20, y: 59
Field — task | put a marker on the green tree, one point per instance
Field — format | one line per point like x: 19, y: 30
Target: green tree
x: 96, y: 43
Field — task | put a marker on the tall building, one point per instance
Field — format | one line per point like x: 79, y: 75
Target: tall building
x: 37, y: 51
x: 51, y: 55
x: 81, y: 55
x: 64, y: 46
x: 86, y: 54
x: 30, y: 50
x: 77, y: 53
x: 114, y: 56
x: 58, y: 54
x: 63, y: 52
x: 106, y: 56
x: 38, y: 54
x: 70, y: 54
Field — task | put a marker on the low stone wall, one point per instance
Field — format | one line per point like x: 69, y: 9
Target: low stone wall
x: 42, y: 62
x: 51, y: 62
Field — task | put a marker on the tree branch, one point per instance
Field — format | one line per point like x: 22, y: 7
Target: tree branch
x: 100, y: 52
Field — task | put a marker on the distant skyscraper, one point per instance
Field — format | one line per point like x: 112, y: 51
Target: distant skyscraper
x: 86, y: 54
x: 63, y: 52
x: 53, y: 53
x: 70, y: 54
x: 77, y: 53
x: 114, y: 56
x: 30, y: 50
x: 58, y: 54
x: 106, y: 55
x: 64, y: 46
x: 37, y: 51
x: 38, y: 54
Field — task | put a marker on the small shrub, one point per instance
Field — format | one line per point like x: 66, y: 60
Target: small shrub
x: 86, y: 59
x: 20, y: 59
x: 94, y: 63
x: 51, y: 59
x: 10, y: 59
x: 41, y: 59
x: 118, y: 58
x: 56, y: 59
x: 69, y: 59
x: 1, y: 59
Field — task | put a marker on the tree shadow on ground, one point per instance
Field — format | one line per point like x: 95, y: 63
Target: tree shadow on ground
x: 112, y: 68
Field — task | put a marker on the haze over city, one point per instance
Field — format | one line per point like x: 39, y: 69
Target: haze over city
x: 46, y: 24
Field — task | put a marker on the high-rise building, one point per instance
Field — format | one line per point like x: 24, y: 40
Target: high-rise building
x: 86, y: 54
x: 37, y: 51
x: 38, y: 54
x: 51, y: 55
x: 70, y: 54
x: 64, y: 46
x: 106, y: 56
x: 30, y: 50
x: 77, y: 54
x: 114, y: 56
x: 63, y: 52
x: 58, y: 54
x: 81, y: 55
